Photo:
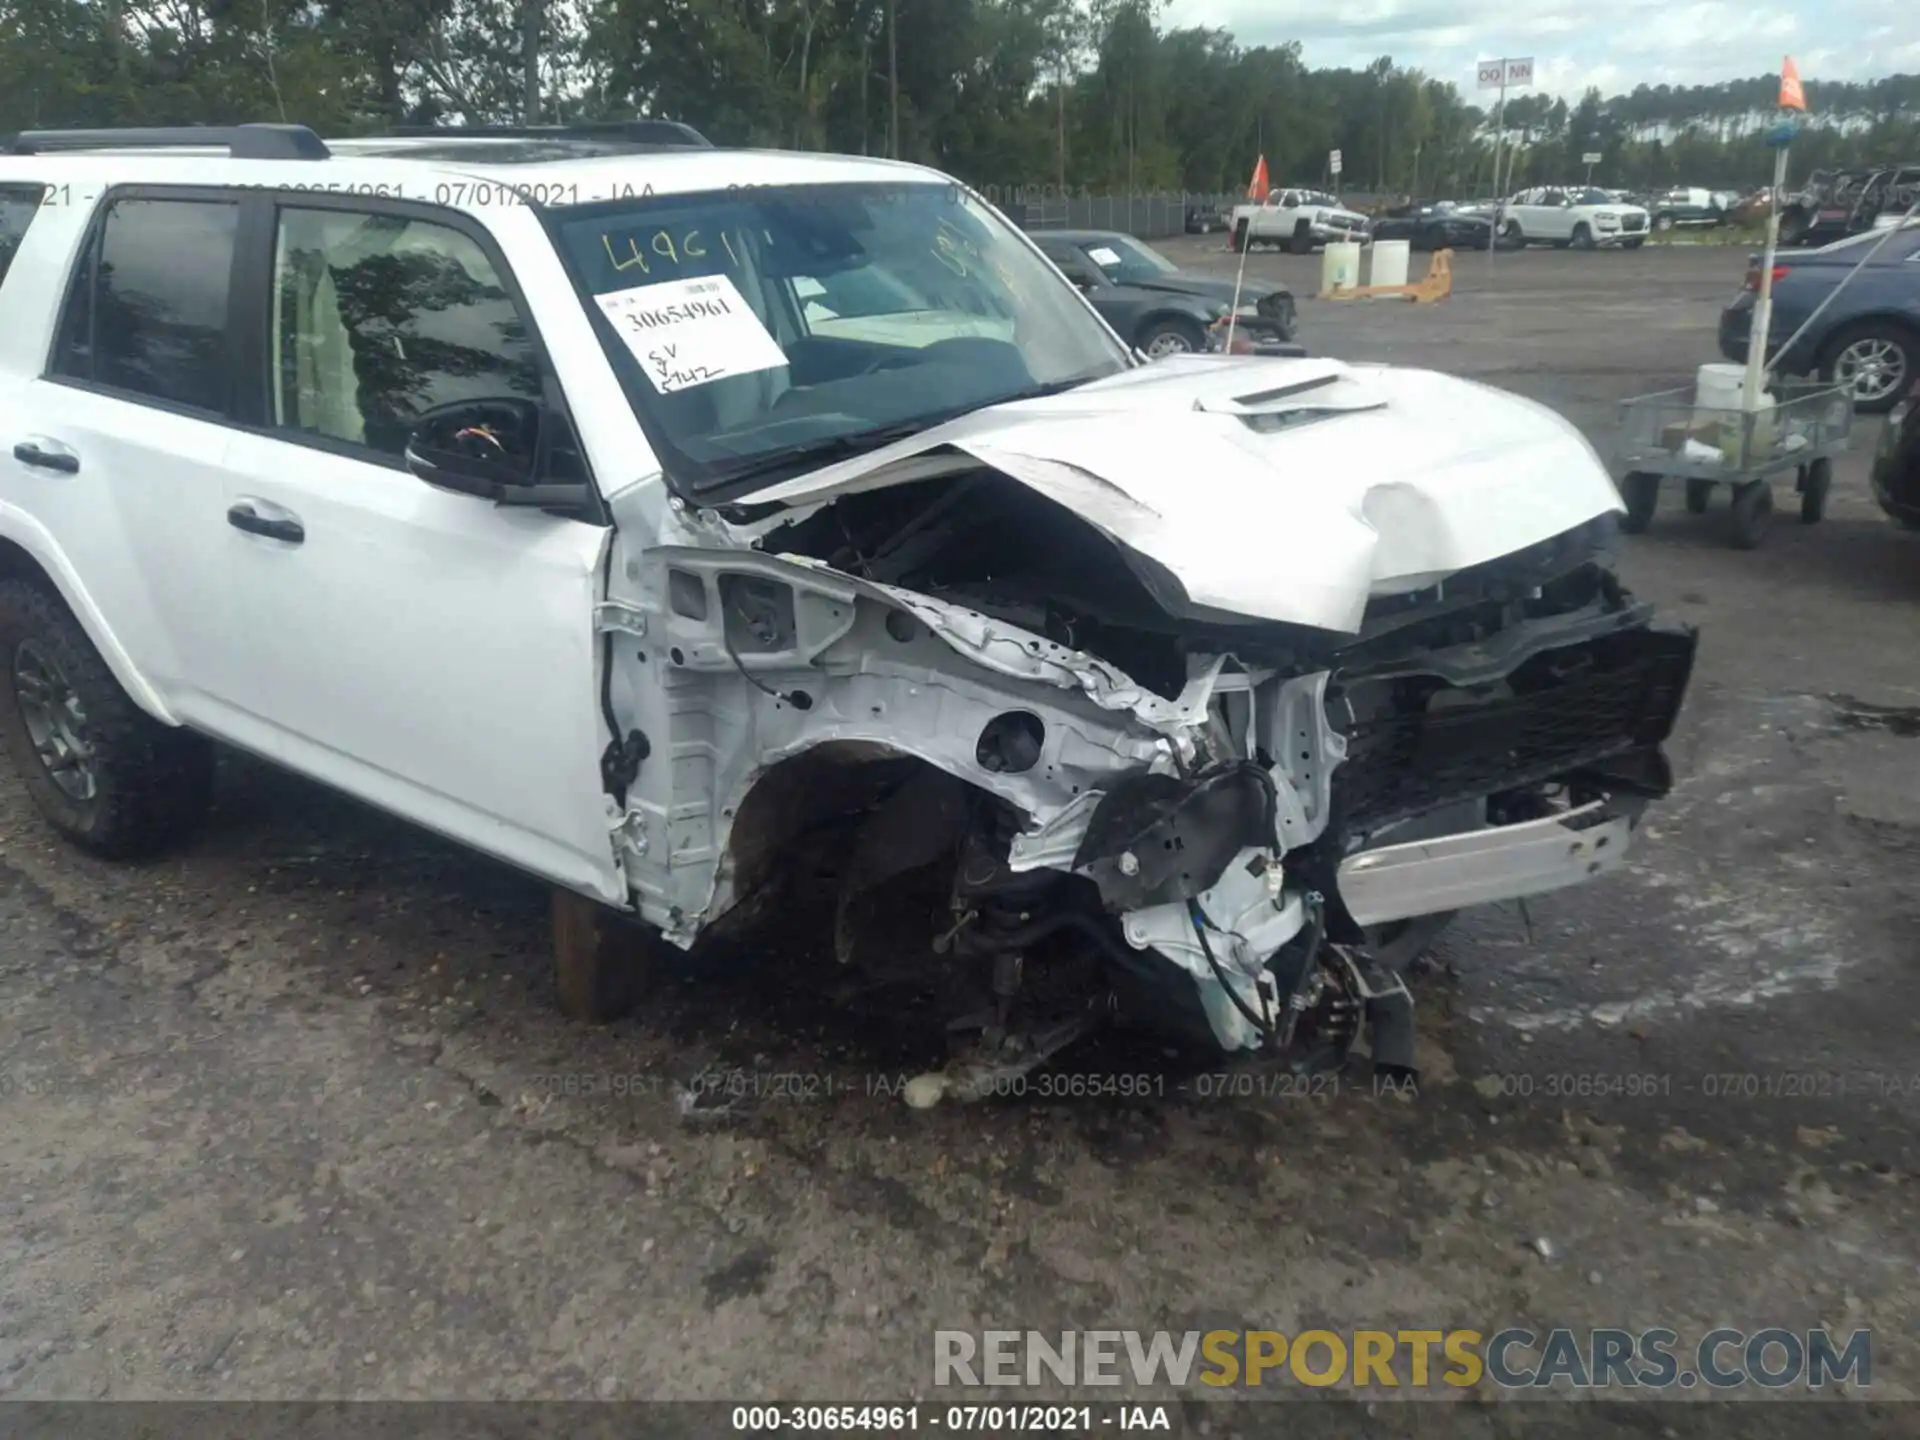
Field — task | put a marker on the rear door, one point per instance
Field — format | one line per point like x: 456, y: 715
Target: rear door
x: 428, y: 651
x: 117, y: 444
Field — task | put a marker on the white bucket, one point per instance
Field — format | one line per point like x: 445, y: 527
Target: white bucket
x: 1719, y: 386
x: 1340, y: 266
x: 1389, y: 262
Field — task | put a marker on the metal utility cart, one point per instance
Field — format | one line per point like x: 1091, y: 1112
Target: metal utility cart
x: 1669, y: 436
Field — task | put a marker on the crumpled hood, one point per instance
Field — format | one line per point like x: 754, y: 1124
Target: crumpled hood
x: 1280, y: 489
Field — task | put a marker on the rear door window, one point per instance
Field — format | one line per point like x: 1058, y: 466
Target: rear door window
x: 147, y: 312
x: 18, y: 205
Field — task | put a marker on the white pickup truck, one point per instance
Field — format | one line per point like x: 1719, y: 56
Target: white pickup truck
x: 1298, y: 219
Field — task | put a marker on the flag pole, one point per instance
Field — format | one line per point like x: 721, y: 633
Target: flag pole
x: 1792, y: 98
x: 1246, y: 244
x: 1763, y: 303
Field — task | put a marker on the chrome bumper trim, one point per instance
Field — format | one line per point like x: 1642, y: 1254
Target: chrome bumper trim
x: 1477, y: 867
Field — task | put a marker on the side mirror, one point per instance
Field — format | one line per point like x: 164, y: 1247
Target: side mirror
x: 489, y: 449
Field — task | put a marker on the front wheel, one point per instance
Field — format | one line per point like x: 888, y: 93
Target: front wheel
x: 1641, y: 493
x: 1302, y: 243
x: 1815, y: 481
x: 1512, y: 236
x: 1172, y: 336
x: 1752, y: 514
x: 99, y: 769
x: 1662, y: 224
x: 1877, y: 359
x: 1583, y: 237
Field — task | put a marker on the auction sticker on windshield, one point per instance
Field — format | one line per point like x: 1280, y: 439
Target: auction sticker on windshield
x: 691, y: 332
x: 1103, y: 256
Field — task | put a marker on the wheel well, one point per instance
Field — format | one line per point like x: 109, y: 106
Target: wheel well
x: 795, y: 809
x: 1830, y: 344
x: 17, y: 563
x: 1161, y: 317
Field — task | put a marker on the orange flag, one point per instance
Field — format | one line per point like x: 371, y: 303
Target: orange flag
x: 1792, y: 97
x: 1257, y: 190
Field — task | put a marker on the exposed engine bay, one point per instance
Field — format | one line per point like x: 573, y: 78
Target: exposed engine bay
x: 1059, y: 793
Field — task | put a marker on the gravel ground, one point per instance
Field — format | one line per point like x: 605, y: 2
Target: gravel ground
x: 288, y: 1115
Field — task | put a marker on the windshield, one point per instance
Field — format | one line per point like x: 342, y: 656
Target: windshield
x: 1592, y: 197
x: 756, y: 328
x: 1128, y: 262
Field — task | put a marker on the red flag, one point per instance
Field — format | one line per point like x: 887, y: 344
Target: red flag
x: 1792, y: 97
x: 1257, y: 190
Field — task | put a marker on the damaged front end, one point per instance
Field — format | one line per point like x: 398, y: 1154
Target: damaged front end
x: 1026, y: 771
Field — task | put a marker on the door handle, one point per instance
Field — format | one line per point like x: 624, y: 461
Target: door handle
x: 245, y: 517
x: 64, y: 461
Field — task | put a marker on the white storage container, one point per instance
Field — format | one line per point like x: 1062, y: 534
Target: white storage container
x: 1388, y: 265
x: 1340, y: 266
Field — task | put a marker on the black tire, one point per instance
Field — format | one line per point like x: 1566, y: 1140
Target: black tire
x: 1794, y: 225
x: 1512, y: 236
x: 1662, y: 224
x: 1641, y: 493
x: 1173, y: 335
x: 132, y: 786
x: 1699, y: 496
x: 1815, y: 481
x: 1240, y: 228
x: 1583, y: 236
x: 1894, y: 381
x: 1302, y: 241
x: 1752, y: 514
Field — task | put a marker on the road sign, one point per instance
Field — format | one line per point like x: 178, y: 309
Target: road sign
x: 1592, y: 157
x: 1498, y: 74
x: 1333, y: 161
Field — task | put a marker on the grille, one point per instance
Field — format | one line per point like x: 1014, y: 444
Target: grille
x: 1572, y: 707
x: 1633, y: 222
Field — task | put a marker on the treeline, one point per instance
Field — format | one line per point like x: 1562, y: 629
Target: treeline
x: 1091, y: 94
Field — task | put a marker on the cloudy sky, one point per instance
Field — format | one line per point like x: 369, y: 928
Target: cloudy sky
x: 1576, y: 43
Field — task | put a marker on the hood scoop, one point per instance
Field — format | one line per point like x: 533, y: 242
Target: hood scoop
x: 1319, y: 397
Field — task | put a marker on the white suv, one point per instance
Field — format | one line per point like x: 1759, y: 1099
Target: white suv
x: 519, y: 483
x: 1575, y: 215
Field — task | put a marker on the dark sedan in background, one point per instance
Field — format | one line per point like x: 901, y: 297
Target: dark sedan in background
x: 1434, y: 225
x: 1868, y: 337
x: 1152, y: 303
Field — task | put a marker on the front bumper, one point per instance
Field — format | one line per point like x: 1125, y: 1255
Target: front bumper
x: 1480, y: 867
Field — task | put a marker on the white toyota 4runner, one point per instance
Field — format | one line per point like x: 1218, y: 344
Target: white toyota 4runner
x: 511, y: 482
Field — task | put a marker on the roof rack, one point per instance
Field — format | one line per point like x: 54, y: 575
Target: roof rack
x: 661, y: 133
x: 242, y: 142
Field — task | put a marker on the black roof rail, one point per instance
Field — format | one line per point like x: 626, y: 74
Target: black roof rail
x: 665, y: 133
x: 242, y: 142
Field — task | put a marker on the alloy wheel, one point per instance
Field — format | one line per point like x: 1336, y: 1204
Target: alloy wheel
x: 56, y: 722
x: 1874, y: 366
x: 1169, y: 342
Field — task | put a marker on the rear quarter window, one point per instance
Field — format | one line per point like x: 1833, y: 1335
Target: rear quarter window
x: 19, y: 204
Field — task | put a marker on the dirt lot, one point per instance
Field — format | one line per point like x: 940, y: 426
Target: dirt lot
x: 288, y: 1115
